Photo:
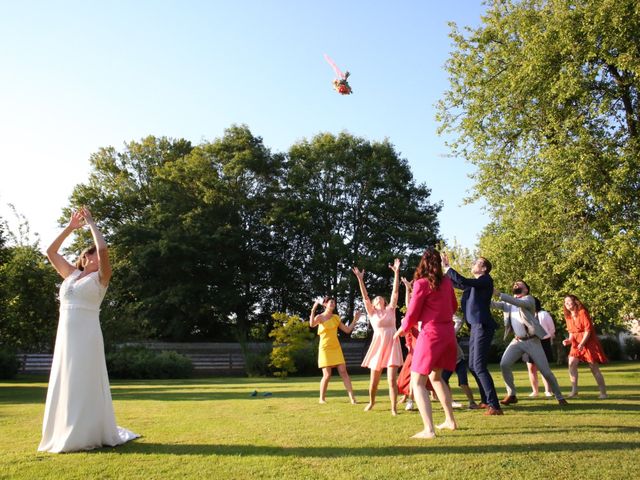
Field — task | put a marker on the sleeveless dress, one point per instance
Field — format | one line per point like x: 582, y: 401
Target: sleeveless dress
x: 592, y: 352
x: 436, y: 346
x: 384, y: 351
x: 78, y: 413
x: 329, y: 350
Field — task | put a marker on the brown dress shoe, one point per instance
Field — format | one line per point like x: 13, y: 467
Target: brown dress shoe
x: 483, y: 405
x: 509, y: 399
x: 562, y: 402
x: 493, y: 411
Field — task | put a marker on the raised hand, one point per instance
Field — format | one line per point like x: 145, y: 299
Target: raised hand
x: 445, y: 259
x: 358, y: 273
x: 407, y: 284
x: 77, y: 220
x: 396, y: 266
x: 86, y: 214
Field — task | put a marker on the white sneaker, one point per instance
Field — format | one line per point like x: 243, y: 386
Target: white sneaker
x: 409, y: 406
x: 456, y: 405
x: 548, y: 394
x: 533, y: 394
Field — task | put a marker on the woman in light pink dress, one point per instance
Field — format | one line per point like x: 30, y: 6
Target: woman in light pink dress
x: 385, y: 350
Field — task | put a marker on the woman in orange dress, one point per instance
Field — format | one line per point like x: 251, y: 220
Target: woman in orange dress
x: 585, y: 345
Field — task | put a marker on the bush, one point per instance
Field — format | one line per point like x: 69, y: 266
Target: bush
x: 306, y: 360
x: 140, y: 362
x: 256, y: 363
x: 9, y: 364
x: 290, y: 335
x: 611, y: 348
x: 632, y: 348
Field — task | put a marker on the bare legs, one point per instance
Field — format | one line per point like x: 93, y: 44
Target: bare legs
x: 573, y: 376
x: 595, y: 371
x: 444, y: 396
x: 342, y: 370
x: 597, y: 374
x: 420, y: 393
x: 373, y: 388
x: 392, y: 379
x: 326, y: 376
x: 419, y: 386
x: 324, y: 383
x: 533, y: 379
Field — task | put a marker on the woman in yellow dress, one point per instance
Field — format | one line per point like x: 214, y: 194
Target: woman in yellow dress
x: 329, y: 351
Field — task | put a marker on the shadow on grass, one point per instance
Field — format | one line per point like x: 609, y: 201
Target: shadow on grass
x: 430, y: 447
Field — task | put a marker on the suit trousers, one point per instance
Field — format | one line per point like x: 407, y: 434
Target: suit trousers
x: 533, y: 348
x: 479, y: 344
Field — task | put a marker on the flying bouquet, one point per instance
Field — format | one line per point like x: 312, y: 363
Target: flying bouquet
x: 340, y: 84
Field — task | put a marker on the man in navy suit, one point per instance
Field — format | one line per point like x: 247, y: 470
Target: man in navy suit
x: 476, y: 305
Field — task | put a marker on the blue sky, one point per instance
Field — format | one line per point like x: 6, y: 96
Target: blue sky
x: 77, y: 76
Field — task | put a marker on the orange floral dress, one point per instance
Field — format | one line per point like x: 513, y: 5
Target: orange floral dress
x: 577, y: 327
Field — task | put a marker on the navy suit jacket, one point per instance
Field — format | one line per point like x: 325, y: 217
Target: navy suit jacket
x: 476, y: 299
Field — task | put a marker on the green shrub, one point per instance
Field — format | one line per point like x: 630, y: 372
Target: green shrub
x: 306, y: 359
x: 256, y: 363
x: 9, y: 363
x: 611, y: 348
x: 290, y: 335
x: 142, y: 363
x: 632, y: 348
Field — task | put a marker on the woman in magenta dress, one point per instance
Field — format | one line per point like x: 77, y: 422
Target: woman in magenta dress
x: 433, y: 302
x: 385, y: 350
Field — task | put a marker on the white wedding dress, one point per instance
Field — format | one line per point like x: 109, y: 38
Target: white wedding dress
x: 79, y: 413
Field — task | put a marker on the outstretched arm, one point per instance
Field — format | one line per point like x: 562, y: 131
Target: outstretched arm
x: 363, y: 290
x: 104, y: 270
x: 61, y: 265
x: 527, y: 302
x: 408, y: 286
x: 396, y: 283
x: 348, y: 329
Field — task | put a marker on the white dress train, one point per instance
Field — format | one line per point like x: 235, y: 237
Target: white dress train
x: 79, y: 413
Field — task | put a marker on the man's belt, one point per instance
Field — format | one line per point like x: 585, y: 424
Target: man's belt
x: 528, y: 337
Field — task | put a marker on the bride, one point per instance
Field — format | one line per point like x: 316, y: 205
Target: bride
x: 79, y: 414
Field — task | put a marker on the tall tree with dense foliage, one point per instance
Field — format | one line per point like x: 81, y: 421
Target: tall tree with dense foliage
x: 347, y: 201
x: 207, y: 241
x: 28, y: 286
x: 544, y: 101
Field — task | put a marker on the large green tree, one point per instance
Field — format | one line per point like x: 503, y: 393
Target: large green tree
x: 28, y: 285
x: 208, y: 241
x: 347, y: 201
x: 544, y: 101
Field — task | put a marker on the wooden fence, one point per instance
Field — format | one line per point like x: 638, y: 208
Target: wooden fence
x: 207, y: 358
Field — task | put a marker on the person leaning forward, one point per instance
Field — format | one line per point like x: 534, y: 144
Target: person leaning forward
x: 520, y: 319
x: 476, y: 306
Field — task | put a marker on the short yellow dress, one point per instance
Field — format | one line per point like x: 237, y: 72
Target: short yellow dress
x: 329, y: 351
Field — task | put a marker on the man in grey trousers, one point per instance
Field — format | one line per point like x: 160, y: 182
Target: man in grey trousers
x: 520, y: 318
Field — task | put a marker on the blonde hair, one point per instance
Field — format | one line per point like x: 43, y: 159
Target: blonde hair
x: 86, y: 251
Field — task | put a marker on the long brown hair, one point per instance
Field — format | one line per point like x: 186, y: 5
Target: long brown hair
x: 86, y: 251
x: 430, y: 267
x: 579, y: 305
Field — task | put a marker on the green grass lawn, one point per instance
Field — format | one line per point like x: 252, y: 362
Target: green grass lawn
x: 213, y: 428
